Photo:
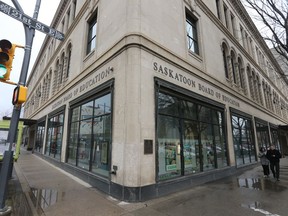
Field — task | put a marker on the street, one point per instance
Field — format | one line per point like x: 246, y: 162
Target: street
x: 55, y: 192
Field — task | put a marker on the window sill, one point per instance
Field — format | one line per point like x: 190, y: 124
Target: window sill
x: 89, y: 55
x: 195, y: 56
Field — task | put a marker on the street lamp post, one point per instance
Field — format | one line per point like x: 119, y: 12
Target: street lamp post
x: 8, y: 155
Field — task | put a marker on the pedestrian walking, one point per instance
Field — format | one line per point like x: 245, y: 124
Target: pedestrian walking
x: 274, y: 156
x: 264, y: 161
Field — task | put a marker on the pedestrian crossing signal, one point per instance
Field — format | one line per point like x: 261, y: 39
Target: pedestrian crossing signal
x: 19, y: 95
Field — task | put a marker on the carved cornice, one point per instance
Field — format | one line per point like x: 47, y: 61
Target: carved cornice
x: 59, y: 13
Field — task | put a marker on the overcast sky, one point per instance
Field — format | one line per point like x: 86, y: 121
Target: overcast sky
x: 13, y: 31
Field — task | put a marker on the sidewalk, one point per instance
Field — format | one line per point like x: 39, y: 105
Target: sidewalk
x: 51, y: 191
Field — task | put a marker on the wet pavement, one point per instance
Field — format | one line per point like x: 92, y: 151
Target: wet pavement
x: 39, y: 188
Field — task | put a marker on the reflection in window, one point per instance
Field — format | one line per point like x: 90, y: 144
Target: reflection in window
x: 168, y: 104
x: 92, y: 34
x: 275, y: 137
x: 189, y: 109
x: 262, y: 135
x: 244, y: 146
x: 188, y: 141
x: 168, y: 139
x: 54, y: 138
x: 191, y: 29
x: 84, y: 143
x: 102, y: 139
x: 73, y: 141
x: 207, y: 146
x: 204, y: 113
x: 90, y: 135
x: 40, y: 136
x: 191, y: 147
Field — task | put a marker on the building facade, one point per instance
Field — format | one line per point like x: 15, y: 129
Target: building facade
x: 144, y: 98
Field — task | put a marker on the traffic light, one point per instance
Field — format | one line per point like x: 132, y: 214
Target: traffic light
x: 7, y: 50
x: 19, y: 95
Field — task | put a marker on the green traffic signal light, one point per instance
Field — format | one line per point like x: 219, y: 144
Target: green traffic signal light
x: 6, y: 59
x: 7, y: 50
x: 3, y: 71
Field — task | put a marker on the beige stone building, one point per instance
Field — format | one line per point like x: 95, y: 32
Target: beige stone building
x: 147, y: 97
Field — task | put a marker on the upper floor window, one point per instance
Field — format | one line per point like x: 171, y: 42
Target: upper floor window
x: 68, y: 60
x: 191, y: 28
x: 242, y: 36
x: 92, y: 34
x: 225, y: 56
x: 226, y: 15
x: 218, y: 9
x: 61, y: 68
x: 233, y: 61
x: 234, y: 31
x: 241, y: 75
x: 63, y: 26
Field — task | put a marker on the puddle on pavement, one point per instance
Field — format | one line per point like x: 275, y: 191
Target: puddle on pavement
x: 260, y: 184
x: 256, y: 206
x: 20, y: 205
x: 43, y: 198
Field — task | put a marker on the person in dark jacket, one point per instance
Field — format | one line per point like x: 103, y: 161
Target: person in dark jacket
x: 274, y: 156
x: 264, y: 161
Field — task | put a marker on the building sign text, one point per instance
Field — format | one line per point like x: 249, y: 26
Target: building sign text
x: 192, y: 84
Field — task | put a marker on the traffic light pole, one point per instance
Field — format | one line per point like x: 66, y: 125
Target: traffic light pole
x: 8, y: 155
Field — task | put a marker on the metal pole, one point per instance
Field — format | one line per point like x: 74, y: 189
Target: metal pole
x: 8, y: 155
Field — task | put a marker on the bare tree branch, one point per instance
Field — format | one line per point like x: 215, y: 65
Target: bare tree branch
x: 274, y: 16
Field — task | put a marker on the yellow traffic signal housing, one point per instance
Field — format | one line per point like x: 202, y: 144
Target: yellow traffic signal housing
x: 7, y: 50
x: 19, y: 95
x: 6, y: 58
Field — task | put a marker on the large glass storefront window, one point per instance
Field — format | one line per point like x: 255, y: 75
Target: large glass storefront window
x: 190, y: 137
x: 244, y: 146
x: 168, y: 138
x: 90, y: 135
x: 40, y: 136
x: 262, y: 135
x: 54, y: 136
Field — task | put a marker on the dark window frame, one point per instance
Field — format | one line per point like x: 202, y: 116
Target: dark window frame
x: 233, y: 61
x: 68, y: 59
x: 102, y: 90
x: 39, y: 135
x: 91, y: 36
x: 225, y: 61
x: 191, y: 21
x: 249, y: 134
x: 164, y: 87
x: 53, y: 114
